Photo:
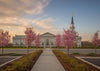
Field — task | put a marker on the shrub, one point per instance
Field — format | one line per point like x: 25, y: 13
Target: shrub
x: 14, y: 54
x: 91, y: 54
x: 80, y: 67
x: 76, y: 53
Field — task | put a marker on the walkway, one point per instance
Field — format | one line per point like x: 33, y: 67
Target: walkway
x: 47, y: 62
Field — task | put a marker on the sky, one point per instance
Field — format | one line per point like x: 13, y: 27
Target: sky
x: 50, y: 16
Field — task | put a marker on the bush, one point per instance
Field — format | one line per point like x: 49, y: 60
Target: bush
x: 23, y: 64
x: 58, y: 47
x: 91, y: 54
x: 80, y: 67
x: 14, y: 54
x: 76, y: 53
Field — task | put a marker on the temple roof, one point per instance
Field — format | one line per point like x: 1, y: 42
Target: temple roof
x: 47, y: 33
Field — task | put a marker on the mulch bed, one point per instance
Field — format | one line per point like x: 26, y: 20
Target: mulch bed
x: 31, y: 65
x: 67, y: 67
x: 33, y: 62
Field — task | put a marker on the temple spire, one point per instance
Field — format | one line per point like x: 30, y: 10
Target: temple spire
x: 72, y: 19
x: 72, y: 13
x: 72, y: 24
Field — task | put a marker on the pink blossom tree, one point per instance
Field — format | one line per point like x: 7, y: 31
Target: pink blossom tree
x: 4, y: 39
x: 58, y: 40
x: 63, y: 41
x: 96, y: 40
x: 30, y: 36
x: 69, y: 39
x: 37, y: 41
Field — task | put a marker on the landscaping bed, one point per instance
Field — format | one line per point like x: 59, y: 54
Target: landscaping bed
x: 12, y: 54
x: 23, y: 64
x: 72, y: 64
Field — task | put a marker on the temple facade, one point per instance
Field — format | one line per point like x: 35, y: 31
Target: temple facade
x: 46, y: 40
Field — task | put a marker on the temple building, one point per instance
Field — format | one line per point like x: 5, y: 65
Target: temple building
x: 46, y: 40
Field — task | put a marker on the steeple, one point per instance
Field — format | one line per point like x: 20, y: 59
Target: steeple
x: 72, y: 19
x: 72, y: 24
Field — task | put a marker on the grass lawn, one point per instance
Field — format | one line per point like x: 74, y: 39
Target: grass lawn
x: 12, y: 54
x: 22, y: 48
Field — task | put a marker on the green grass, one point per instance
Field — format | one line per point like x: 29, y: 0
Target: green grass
x: 84, y: 47
x: 91, y: 54
x: 22, y: 48
x: 76, y: 53
x: 14, y: 54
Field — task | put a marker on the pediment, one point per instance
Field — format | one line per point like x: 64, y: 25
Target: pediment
x: 47, y: 34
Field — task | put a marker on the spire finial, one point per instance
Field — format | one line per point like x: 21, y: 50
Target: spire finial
x: 72, y: 13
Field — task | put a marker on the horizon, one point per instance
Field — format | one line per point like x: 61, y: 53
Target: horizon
x: 50, y: 16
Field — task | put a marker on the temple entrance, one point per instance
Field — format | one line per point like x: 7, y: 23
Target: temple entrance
x: 47, y: 43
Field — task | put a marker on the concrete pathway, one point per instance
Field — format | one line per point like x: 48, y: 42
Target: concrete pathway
x: 47, y: 62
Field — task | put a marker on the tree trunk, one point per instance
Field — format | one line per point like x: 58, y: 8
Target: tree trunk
x: 27, y: 49
x: 2, y: 50
x: 68, y: 51
x: 95, y: 49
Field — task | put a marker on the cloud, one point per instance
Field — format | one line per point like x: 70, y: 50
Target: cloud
x: 86, y: 36
x: 19, y: 24
x: 11, y: 12
x: 15, y: 8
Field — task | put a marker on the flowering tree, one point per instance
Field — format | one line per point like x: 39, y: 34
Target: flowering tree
x: 30, y: 36
x: 69, y: 39
x: 58, y: 40
x: 4, y: 39
x: 96, y: 40
x: 63, y: 41
x: 37, y: 41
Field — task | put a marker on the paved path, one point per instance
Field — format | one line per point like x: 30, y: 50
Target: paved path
x: 95, y: 61
x: 47, y: 62
x: 4, y: 59
x: 24, y: 51
x: 81, y: 51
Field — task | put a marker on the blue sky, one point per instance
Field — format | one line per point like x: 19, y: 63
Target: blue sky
x: 50, y: 16
x: 86, y: 14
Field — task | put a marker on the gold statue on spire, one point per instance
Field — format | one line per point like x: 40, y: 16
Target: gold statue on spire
x: 72, y: 13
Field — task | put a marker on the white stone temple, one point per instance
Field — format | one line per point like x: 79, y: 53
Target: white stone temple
x: 46, y: 40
